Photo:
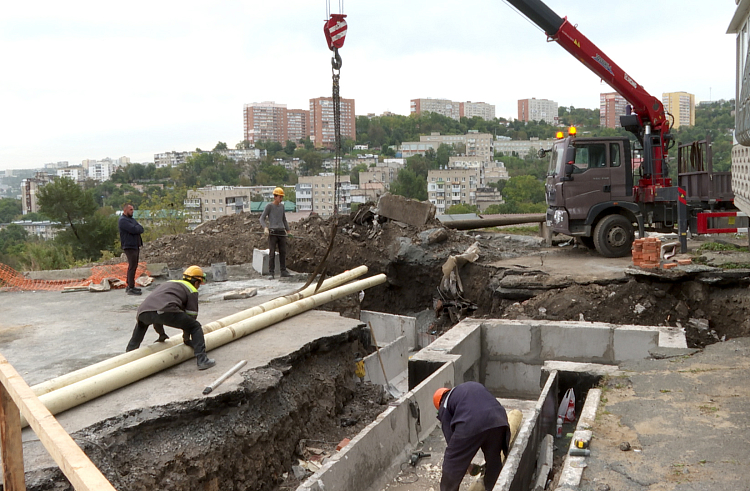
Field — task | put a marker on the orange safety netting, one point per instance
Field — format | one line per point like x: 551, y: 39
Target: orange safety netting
x: 10, y: 279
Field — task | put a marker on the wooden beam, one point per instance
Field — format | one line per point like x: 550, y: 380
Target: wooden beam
x: 11, y: 445
x: 80, y: 471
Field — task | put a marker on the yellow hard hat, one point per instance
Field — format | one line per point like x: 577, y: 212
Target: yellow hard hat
x: 194, y: 272
x: 278, y: 192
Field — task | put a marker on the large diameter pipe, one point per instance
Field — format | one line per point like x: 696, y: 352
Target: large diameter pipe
x: 85, y: 390
x: 495, y: 222
x: 122, y: 359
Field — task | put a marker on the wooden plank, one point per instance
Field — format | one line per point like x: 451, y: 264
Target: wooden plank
x: 11, y: 445
x: 80, y: 471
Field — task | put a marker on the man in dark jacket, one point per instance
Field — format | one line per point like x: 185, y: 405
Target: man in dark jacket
x: 131, y: 242
x: 471, y: 418
x: 174, y: 304
x: 275, y: 226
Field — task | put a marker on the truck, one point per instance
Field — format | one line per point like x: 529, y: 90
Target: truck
x: 600, y: 190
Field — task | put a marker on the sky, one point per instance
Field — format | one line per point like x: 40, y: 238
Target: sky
x: 91, y: 79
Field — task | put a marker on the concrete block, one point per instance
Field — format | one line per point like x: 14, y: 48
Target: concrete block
x: 579, y: 341
x: 465, y: 340
x: 519, y: 379
x: 395, y: 361
x: 507, y: 338
x: 219, y: 271
x: 261, y: 263
x: 634, y: 342
x: 406, y: 210
x: 389, y: 327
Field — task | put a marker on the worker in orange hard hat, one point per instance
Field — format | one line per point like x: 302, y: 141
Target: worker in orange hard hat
x: 275, y: 226
x: 471, y: 419
x: 174, y: 304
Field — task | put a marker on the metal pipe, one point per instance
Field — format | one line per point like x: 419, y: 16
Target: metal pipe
x: 495, y: 222
x: 122, y: 359
x: 220, y: 380
x: 85, y: 390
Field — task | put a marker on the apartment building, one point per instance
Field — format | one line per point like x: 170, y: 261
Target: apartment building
x: 100, y: 170
x: 681, y: 105
x: 448, y: 187
x: 476, y: 144
x: 495, y: 171
x: 322, y: 127
x: 242, y: 154
x: 611, y: 106
x: 487, y: 197
x: 368, y: 191
x: 265, y: 121
x: 45, y: 229
x: 317, y: 194
x: 482, y: 109
x: 75, y: 172
x: 379, y: 174
x: 297, y: 124
x: 30, y: 188
x: 445, y: 107
x: 537, y: 110
x: 213, y: 202
x: 520, y: 148
x: 171, y: 159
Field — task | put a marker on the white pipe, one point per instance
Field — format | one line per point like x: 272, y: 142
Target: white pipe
x: 122, y: 359
x: 103, y: 383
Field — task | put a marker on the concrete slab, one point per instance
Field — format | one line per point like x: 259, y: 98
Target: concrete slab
x: 47, y: 334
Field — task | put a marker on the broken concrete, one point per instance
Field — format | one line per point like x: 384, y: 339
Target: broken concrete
x: 415, y: 213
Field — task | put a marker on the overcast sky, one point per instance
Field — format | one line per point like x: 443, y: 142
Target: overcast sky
x: 92, y: 79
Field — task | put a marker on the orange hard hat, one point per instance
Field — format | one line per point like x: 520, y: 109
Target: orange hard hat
x: 439, y: 395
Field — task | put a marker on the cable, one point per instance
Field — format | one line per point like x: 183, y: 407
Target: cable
x: 401, y: 477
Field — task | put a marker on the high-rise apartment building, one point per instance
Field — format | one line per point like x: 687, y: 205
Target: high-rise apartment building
x: 30, y: 188
x: 537, y: 110
x: 317, y: 194
x: 445, y: 107
x: 482, y: 109
x: 322, y: 127
x: 297, y: 124
x: 681, y: 105
x: 265, y: 121
x: 611, y: 107
x: 446, y: 188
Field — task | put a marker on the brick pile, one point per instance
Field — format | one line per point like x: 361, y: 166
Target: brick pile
x: 647, y: 255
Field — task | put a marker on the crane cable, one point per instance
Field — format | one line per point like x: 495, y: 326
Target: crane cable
x: 335, y: 29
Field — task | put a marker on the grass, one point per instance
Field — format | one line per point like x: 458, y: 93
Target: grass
x: 721, y: 246
x: 530, y: 230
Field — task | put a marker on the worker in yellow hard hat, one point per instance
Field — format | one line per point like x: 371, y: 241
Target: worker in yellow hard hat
x: 275, y: 226
x: 174, y: 304
x: 471, y: 418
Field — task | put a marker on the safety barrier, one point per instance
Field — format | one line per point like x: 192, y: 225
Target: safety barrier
x: 16, y: 399
x: 12, y: 280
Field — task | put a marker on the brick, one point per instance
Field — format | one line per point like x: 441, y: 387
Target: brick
x: 342, y: 444
x: 684, y: 262
x: 669, y: 265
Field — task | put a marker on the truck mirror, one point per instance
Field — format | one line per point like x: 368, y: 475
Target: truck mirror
x: 569, y: 169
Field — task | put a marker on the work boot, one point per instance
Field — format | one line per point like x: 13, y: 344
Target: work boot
x: 136, y: 289
x: 162, y: 338
x: 285, y: 274
x: 204, y: 362
x: 270, y: 275
x: 132, y: 291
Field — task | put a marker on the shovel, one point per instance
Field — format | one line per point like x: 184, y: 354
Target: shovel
x: 391, y: 388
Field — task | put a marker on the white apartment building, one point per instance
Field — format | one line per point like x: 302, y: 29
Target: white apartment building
x: 379, y: 174
x: 446, y: 188
x: 537, y: 110
x: 476, y: 144
x: 101, y: 171
x: 482, y: 109
x: 213, y: 202
x: 495, y: 171
x: 521, y: 148
x: 317, y: 194
x: 43, y: 229
x: 77, y: 173
x: 242, y: 154
x: 171, y: 159
x: 445, y: 107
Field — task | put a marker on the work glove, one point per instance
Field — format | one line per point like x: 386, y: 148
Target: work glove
x: 265, y: 231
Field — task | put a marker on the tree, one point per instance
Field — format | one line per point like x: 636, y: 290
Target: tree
x: 524, y: 190
x: 11, y: 237
x: 9, y: 209
x: 354, y: 174
x: 290, y: 147
x: 220, y: 146
x: 410, y: 185
x: 244, y: 145
x: 64, y: 201
x: 461, y: 208
x: 444, y: 153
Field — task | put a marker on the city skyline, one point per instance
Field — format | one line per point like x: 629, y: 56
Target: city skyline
x: 89, y: 81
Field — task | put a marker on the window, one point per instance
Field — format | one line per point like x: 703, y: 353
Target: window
x: 220, y: 200
x: 614, y: 155
x: 221, y: 209
x: 213, y: 201
x: 590, y: 156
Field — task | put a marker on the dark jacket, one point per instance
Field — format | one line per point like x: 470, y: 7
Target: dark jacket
x: 172, y: 296
x: 130, y: 232
x: 470, y: 409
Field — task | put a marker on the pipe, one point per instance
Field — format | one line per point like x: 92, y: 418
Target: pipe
x: 220, y: 380
x: 494, y: 222
x: 85, y: 390
x: 122, y: 359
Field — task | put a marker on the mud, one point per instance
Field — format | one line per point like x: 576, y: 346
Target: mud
x: 240, y: 440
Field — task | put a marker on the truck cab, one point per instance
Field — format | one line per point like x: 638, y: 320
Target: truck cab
x: 589, y: 192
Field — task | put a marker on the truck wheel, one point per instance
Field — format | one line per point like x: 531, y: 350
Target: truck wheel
x: 588, y: 242
x: 613, y: 236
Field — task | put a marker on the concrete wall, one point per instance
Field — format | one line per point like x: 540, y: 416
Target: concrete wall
x: 514, y: 351
x: 389, y: 327
x: 395, y: 360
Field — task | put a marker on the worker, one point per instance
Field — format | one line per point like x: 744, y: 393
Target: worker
x: 275, y: 227
x: 471, y: 418
x: 130, y: 242
x: 175, y: 304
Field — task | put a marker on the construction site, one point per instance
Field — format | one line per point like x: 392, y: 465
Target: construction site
x: 648, y: 354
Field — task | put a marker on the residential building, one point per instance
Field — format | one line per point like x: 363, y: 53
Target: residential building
x: 368, y: 191
x: 474, y: 143
x: 243, y: 153
x: 43, y: 229
x: 56, y: 165
x: 446, y: 188
x: 297, y: 124
x: 611, y: 106
x: 212, y: 202
x: 317, y: 194
x: 486, y: 197
x: 520, y: 148
x: 379, y: 174
x: 74, y: 172
x: 681, y: 105
x: 171, y: 159
x: 740, y: 27
x: 30, y: 188
x: 537, y: 110
x: 265, y: 121
x: 100, y: 170
x: 482, y: 109
x: 322, y: 127
x: 445, y: 107
x: 495, y: 171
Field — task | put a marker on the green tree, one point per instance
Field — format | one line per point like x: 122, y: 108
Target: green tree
x: 244, y: 145
x: 524, y: 189
x: 461, y: 208
x: 166, y: 214
x: 354, y: 174
x: 410, y: 185
x: 444, y: 153
x: 220, y: 146
x: 33, y: 217
x: 9, y: 209
x: 11, y: 237
x: 290, y: 147
x: 64, y: 201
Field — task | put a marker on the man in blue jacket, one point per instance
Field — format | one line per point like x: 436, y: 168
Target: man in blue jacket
x: 131, y: 242
x: 471, y: 418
